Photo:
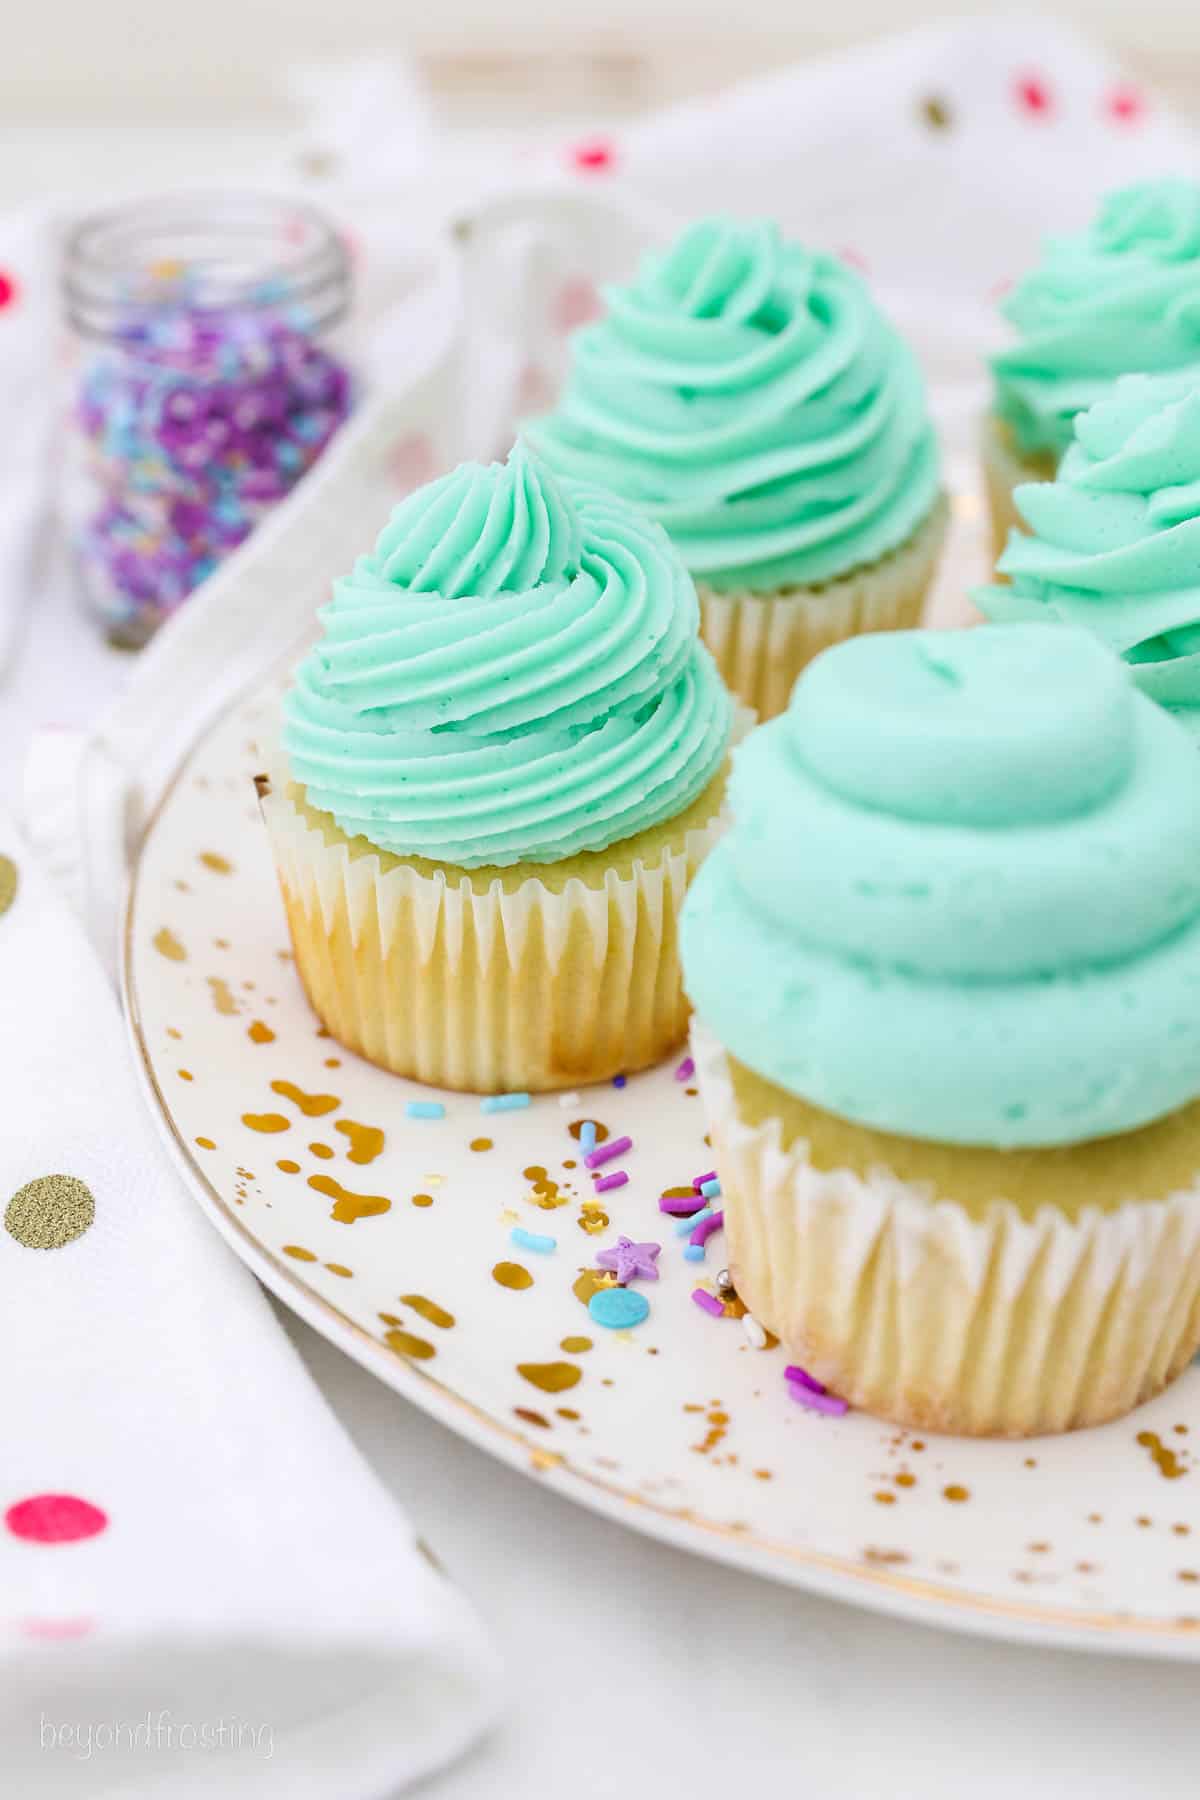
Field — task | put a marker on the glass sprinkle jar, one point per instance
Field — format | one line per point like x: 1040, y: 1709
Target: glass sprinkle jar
x: 202, y: 389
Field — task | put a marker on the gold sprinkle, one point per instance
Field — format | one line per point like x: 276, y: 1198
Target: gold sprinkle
x: 936, y: 113
x: 884, y: 1498
x: 567, y: 1412
x: 429, y: 1309
x: 590, y: 1281
x: 287, y: 1166
x: 422, y: 1199
x: 260, y: 1033
x: 533, y: 1418
x: 321, y: 1150
x: 592, y: 1218
x: 220, y: 865
x: 266, y: 1121
x: 8, y: 883
x: 206, y: 1143
x: 52, y: 1211
x: 313, y: 1106
x: 339, y: 1269
x: 168, y: 945
x: 300, y: 1254
x: 481, y: 1143
x: 186, y: 1075
x: 407, y: 1345
x: 576, y: 1346
x: 366, y: 1141
x: 349, y: 1207
x: 551, y: 1378
x: 512, y: 1275
x: 956, y: 1493
x: 905, y: 1480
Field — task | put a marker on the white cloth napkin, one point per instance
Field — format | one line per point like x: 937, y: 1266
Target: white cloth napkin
x: 243, y: 1569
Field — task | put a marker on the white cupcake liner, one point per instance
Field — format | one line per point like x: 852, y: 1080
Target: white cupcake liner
x: 910, y: 1308
x: 510, y: 989
x: 761, y: 642
x: 1004, y: 470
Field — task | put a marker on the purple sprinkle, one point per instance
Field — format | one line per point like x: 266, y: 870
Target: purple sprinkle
x: 698, y: 1181
x: 794, y: 1372
x: 686, y: 1069
x: 618, y: 1081
x: 606, y: 1152
x: 822, y: 1403
x: 604, y: 1182
x: 681, y: 1207
x: 709, y: 1302
x: 706, y: 1228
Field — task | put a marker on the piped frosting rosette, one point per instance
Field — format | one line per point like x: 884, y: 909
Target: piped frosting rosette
x: 748, y: 395
x: 1123, y: 295
x: 503, y: 763
x: 513, y: 674
x: 963, y: 884
x: 1114, y: 542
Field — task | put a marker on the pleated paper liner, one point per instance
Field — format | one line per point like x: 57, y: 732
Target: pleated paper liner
x: 996, y: 1320
x: 1004, y: 469
x: 760, y: 642
x: 522, y: 979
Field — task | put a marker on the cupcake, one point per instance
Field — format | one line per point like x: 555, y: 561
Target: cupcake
x: 946, y: 970
x: 748, y: 395
x: 501, y: 765
x: 1121, y: 297
x: 1114, y: 542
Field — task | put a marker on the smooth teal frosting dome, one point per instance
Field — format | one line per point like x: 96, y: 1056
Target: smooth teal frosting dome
x: 748, y: 394
x: 1122, y: 296
x: 512, y: 674
x: 961, y: 896
x: 1114, y: 542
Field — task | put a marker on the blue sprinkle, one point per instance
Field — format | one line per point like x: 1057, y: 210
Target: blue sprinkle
x: 504, y: 1103
x: 532, y: 1240
x: 618, y: 1081
x: 618, y: 1307
x: 711, y: 1190
x: 685, y: 1227
x: 587, y: 1136
x: 694, y: 1253
x: 425, y: 1109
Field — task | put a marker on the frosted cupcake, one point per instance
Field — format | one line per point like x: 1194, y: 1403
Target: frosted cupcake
x: 1122, y: 296
x: 748, y: 395
x: 503, y: 762
x: 1114, y: 542
x: 946, y: 968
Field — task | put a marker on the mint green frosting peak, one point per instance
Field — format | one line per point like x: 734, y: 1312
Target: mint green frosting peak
x: 1114, y: 542
x: 512, y: 674
x: 960, y: 899
x: 748, y: 395
x: 1122, y: 296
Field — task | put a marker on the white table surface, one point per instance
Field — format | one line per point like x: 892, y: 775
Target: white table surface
x: 636, y: 1670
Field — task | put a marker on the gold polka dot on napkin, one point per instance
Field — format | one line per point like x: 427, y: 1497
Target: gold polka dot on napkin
x: 8, y: 883
x: 52, y: 1211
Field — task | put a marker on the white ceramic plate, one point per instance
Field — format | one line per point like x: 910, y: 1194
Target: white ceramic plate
x: 679, y: 1427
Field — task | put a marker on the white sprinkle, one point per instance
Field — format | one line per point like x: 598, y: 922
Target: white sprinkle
x: 571, y: 1099
x: 754, y: 1331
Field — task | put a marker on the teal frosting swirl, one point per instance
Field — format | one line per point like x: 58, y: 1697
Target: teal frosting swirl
x: 1122, y: 296
x: 1115, y: 540
x: 748, y: 395
x: 513, y: 674
x: 961, y: 896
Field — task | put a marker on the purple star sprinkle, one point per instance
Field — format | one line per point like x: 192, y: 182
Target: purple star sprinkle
x: 632, y: 1262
